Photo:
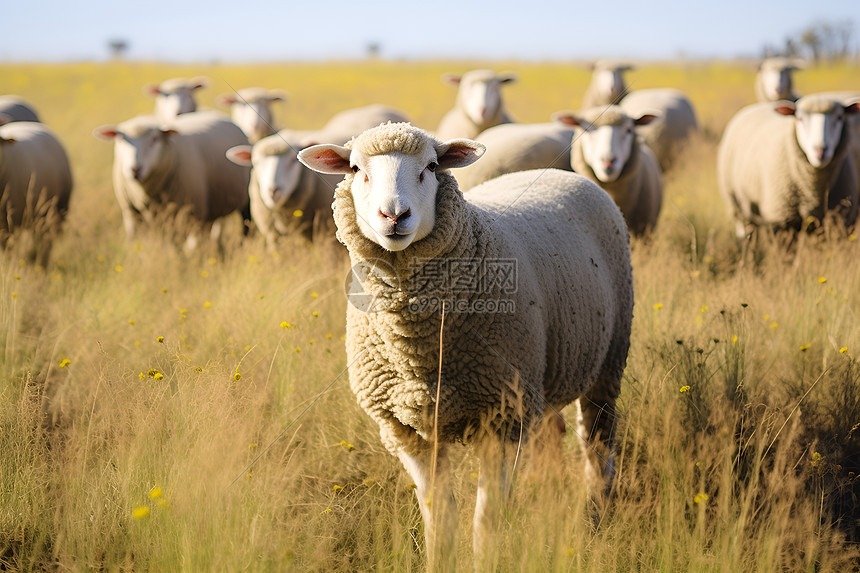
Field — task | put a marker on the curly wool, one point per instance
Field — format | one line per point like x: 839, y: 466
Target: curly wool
x: 392, y: 138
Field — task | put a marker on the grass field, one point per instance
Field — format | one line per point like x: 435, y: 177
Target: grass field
x: 160, y: 412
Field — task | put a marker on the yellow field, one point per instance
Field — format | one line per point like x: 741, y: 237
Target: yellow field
x: 162, y: 412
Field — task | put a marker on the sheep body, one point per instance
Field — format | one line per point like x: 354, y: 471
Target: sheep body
x: 565, y: 335
x: 35, y: 183
x: 676, y: 120
x: 518, y: 147
x: 182, y: 163
x: 14, y: 108
x: 766, y: 177
x: 479, y: 104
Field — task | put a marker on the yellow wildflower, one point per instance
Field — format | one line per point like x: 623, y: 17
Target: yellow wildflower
x: 155, y: 493
x: 822, y: 280
x: 805, y: 347
x: 298, y: 213
x: 701, y: 498
x: 160, y: 340
x: 237, y: 376
x: 118, y: 268
x: 65, y: 362
x: 158, y: 376
x: 315, y: 314
x: 140, y: 512
x: 658, y: 306
x: 163, y: 290
x: 212, y: 261
x: 207, y: 304
x: 735, y: 339
x: 17, y: 277
x: 774, y: 324
x: 131, y: 321
x: 843, y: 350
x: 286, y: 324
x: 252, y: 446
x: 328, y: 336
x: 704, y: 309
x: 684, y: 388
x: 337, y: 488
x: 314, y: 295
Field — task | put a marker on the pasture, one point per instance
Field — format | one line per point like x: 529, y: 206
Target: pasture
x: 166, y: 412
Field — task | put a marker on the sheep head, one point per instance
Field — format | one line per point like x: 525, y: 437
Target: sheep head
x: 819, y: 123
x: 394, y: 178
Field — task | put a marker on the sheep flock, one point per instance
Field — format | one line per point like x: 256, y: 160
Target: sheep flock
x: 531, y: 340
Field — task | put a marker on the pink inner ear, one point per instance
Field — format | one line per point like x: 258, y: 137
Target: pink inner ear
x: 645, y: 119
x: 853, y: 108
x: 153, y: 90
x: 568, y: 120
x: 243, y: 155
x: 108, y: 133
x: 784, y: 110
x: 330, y: 158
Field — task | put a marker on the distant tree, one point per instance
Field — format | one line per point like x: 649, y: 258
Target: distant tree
x: 118, y: 48
x: 373, y: 50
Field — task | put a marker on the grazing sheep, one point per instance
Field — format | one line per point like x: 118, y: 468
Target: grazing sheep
x: 285, y: 195
x: 251, y: 109
x: 607, y: 150
x: 35, y: 185
x: 786, y: 164
x: 607, y: 84
x: 533, y: 272
x: 518, y: 147
x: 774, y: 80
x: 181, y: 164
x: 351, y: 122
x: 14, y: 108
x: 175, y: 96
x: 479, y: 104
x: 676, y: 120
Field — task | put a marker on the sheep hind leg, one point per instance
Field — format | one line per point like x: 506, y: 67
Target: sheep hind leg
x: 494, y: 485
x: 597, y: 430
x: 436, y: 501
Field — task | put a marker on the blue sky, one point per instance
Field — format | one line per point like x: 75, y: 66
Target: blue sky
x: 278, y: 30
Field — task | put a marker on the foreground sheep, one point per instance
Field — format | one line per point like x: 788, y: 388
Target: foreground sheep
x: 785, y: 165
x: 286, y: 196
x: 182, y: 164
x: 479, y: 104
x: 518, y: 147
x: 607, y: 84
x: 607, y: 150
x: 676, y: 121
x: 774, y: 80
x: 542, y: 319
x: 175, y: 96
x: 35, y: 185
x: 14, y: 108
x: 251, y: 110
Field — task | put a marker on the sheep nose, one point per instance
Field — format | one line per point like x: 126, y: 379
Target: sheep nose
x: 607, y: 163
x: 398, y: 218
x: 136, y: 172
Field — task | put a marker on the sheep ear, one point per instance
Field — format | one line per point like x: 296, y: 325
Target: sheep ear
x: 459, y: 153
x: 852, y: 108
x: 5, y: 118
x: 644, y: 119
x: 106, y: 132
x: 240, y: 155
x: 225, y: 100
x: 451, y: 79
x: 198, y: 83
x: 152, y: 90
x: 166, y: 131
x: 508, y: 77
x: 277, y: 95
x: 784, y: 107
x: 328, y: 158
x: 566, y: 118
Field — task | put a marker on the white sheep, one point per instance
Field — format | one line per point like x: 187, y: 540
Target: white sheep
x: 518, y: 147
x: 607, y: 84
x: 533, y: 271
x: 774, y: 80
x: 607, y: 150
x: 182, y: 164
x: 175, y: 96
x: 14, y: 108
x: 785, y: 164
x: 280, y: 186
x: 285, y: 195
x: 479, y: 104
x: 675, y: 124
x: 251, y: 109
x: 35, y: 184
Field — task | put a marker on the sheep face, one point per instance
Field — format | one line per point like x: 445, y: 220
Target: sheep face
x: 255, y: 118
x: 777, y: 83
x: 140, y: 155
x: 277, y: 176
x: 818, y: 128
x: 175, y: 97
x: 610, y: 81
x: 480, y: 94
x: 394, y: 192
x: 606, y: 137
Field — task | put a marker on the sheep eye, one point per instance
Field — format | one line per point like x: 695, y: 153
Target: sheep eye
x: 432, y: 166
x: 355, y: 168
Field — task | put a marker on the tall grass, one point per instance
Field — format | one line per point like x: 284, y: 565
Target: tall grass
x: 164, y: 412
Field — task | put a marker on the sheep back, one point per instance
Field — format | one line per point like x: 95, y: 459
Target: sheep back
x: 14, y: 108
x: 676, y: 120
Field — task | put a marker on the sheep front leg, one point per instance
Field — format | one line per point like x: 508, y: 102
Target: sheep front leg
x: 494, y: 485
x: 436, y: 500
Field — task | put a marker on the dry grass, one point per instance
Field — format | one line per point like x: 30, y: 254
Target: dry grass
x: 243, y: 420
